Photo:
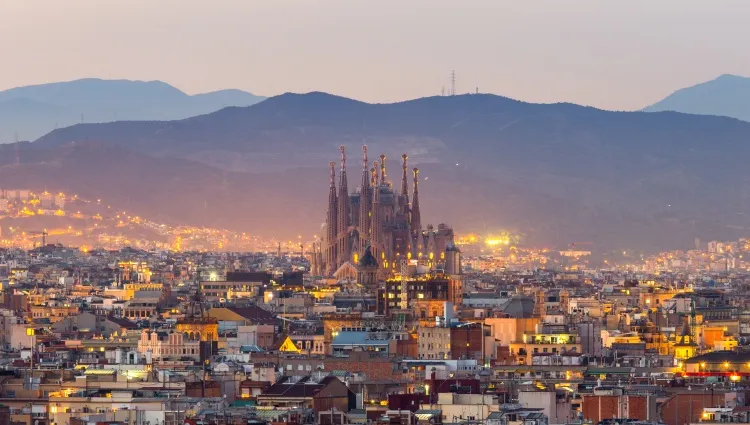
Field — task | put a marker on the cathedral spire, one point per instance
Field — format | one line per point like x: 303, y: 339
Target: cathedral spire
x: 404, y: 184
x: 343, y: 213
x: 333, y: 176
x: 382, y: 169
x: 365, y: 205
x: 376, y: 225
x: 331, y: 224
x: 364, y: 162
x: 416, y: 219
x: 374, y: 170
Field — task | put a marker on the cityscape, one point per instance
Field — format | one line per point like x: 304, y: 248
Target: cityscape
x: 554, y: 233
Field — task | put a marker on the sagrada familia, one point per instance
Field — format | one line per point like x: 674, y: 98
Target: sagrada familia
x: 376, y: 221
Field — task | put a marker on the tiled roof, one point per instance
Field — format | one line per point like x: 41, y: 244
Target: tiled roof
x: 721, y: 357
x: 357, y: 338
x: 302, y: 388
x: 255, y: 314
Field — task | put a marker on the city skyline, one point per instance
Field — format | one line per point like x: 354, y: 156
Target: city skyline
x: 360, y: 212
x: 541, y: 52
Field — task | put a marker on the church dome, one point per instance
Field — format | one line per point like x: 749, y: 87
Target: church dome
x: 367, y: 259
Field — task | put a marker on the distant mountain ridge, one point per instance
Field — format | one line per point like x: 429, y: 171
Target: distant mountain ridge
x: 727, y: 95
x: 555, y: 172
x: 31, y: 111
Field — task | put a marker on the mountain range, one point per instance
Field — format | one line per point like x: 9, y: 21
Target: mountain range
x: 726, y: 95
x: 31, y: 111
x: 556, y: 173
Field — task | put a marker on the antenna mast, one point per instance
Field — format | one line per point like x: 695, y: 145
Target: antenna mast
x: 453, y: 83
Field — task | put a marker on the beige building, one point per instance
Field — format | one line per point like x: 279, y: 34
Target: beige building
x: 310, y: 344
x: 168, y: 345
x: 119, y: 406
x: 463, y: 407
x: 554, y: 343
x: 433, y: 342
x: 558, y: 409
x: 510, y: 329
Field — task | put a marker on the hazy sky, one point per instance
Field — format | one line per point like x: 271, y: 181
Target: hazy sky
x: 606, y: 53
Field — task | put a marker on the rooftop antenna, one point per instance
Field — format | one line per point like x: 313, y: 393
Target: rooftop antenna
x: 442, y: 91
x: 453, y: 83
x: 18, y: 155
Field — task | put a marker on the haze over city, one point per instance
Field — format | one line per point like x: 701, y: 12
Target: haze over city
x: 619, y: 56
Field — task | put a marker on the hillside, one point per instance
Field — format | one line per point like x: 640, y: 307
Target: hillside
x: 31, y: 111
x: 556, y: 172
x: 727, y: 95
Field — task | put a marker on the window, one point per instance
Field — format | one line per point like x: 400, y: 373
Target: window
x: 288, y: 367
x: 300, y: 367
x: 11, y: 393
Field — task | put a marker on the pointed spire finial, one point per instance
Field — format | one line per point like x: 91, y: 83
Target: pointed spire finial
x: 333, y: 173
x: 374, y: 171
x: 364, y: 158
x: 382, y: 169
x: 404, y: 184
x: 343, y: 157
x: 416, y: 216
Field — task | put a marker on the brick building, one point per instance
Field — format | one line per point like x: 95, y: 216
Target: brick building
x: 612, y: 402
x: 687, y: 407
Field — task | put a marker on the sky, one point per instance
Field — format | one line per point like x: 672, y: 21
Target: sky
x: 619, y: 55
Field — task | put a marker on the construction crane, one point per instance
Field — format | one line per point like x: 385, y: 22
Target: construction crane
x: 43, y: 234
